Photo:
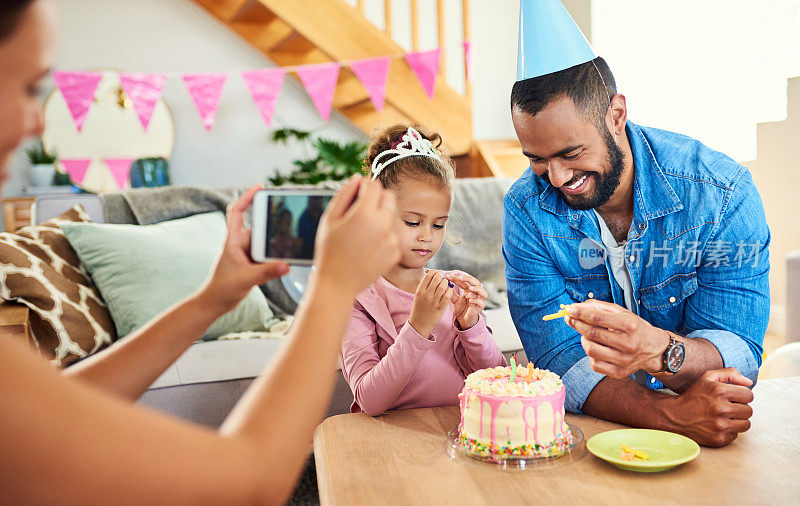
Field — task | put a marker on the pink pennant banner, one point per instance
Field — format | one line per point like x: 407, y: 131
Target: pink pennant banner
x: 78, y: 89
x: 120, y: 168
x: 264, y: 86
x: 373, y: 74
x: 206, y: 91
x: 320, y: 83
x: 469, y: 62
x: 144, y: 90
x: 76, y: 168
x: 425, y: 65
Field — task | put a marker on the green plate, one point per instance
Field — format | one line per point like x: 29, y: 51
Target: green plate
x: 665, y: 449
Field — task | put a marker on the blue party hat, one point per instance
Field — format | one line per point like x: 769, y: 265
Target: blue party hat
x: 549, y: 40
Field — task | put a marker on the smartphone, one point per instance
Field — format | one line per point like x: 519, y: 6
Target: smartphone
x: 285, y: 224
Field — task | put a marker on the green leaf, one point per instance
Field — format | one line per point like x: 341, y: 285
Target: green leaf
x: 37, y: 154
x: 334, y: 160
x: 307, y: 165
x: 346, y: 158
x: 282, y: 135
x: 277, y: 180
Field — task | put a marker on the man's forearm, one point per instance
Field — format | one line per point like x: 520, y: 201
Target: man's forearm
x: 701, y: 356
x: 625, y: 401
x: 129, y: 367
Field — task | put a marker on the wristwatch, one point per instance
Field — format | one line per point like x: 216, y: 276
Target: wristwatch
x: 673, y: 357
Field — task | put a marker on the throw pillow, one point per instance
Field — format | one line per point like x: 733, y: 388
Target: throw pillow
x: 39, y: 268
x: 141, y: 270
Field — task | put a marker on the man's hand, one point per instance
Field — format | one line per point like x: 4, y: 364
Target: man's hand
x: 467, y: 307
x: 430, y: 302
x: 714, y: 410
x: 617, y: 342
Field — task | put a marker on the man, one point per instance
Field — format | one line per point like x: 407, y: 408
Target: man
x: 307, y: 225
x: 657, y: 243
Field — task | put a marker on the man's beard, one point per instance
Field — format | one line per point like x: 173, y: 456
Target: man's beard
x: 605, y: 184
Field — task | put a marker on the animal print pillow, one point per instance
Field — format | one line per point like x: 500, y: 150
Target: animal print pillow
x: 39, y: 268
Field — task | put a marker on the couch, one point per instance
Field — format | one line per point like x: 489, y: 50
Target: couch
x: 206, y: 381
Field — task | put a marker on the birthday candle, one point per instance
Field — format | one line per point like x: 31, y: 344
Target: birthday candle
x: 513, y: 368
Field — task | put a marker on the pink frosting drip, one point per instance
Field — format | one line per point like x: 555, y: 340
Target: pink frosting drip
x: 556, y: 400
x: 462, y: 401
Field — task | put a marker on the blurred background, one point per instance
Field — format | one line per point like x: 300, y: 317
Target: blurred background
x: 724, y: 72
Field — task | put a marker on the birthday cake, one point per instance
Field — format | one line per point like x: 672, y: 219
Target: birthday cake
x: 524, y: 417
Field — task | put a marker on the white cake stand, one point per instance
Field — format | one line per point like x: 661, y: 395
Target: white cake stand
x: 576, y: 451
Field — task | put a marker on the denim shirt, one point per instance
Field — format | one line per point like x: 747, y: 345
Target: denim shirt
x: 697, y: 254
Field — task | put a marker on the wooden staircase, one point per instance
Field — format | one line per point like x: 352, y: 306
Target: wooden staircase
x: 301, y: 32
x: 500, y: 158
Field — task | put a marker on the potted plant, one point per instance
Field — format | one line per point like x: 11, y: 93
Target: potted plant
x: 331, y: 160
x: 150, y: 172
x: 43, y: 167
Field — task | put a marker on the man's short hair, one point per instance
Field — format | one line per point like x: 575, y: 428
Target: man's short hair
x: 582, y: 83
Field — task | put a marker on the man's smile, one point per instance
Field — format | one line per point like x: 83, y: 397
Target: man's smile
x: 576, y: 185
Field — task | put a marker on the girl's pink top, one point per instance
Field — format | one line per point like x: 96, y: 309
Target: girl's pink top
x: 388, y: 365
x: 282, y: 246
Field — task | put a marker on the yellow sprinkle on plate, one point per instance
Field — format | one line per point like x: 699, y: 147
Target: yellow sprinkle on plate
x: 635, y: 453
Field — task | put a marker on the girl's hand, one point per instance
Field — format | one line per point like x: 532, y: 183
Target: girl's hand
x: 355, y: 241
x: 467, y: 307
x: 235, y: 273
x: 430, y: 302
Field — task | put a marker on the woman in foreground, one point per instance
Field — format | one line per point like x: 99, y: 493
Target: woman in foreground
x: 75, y: 437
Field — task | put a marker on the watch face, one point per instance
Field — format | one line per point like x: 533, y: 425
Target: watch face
x: 676, y: 357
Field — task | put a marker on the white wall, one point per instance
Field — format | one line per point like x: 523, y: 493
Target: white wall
x: 493, y: 27
x: 178, y: 35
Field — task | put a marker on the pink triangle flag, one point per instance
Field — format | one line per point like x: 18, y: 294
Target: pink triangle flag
x: 469, y: 62
x: 373, y: 74
x: 425, y: 65
x: 206, y: 90
x: 264, y: 86
x: 121, y: 170
x: 320, y: 83
x: 76, y: 168
x: 78, y: 89
x: 144, y: 90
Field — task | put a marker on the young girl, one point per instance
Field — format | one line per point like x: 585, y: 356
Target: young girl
x: 415, y: 334
x: 284, y: 244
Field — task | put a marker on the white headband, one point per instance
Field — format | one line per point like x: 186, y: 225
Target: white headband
x: 411, y: 144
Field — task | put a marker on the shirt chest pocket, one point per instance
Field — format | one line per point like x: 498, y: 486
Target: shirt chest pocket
x: 665, y: 301
x: 591, y: 286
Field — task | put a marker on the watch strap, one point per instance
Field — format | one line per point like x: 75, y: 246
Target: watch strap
x: 665, y: 356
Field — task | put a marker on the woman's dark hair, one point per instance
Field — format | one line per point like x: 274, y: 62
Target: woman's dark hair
x: 419, y: 166
x: 10, y: 15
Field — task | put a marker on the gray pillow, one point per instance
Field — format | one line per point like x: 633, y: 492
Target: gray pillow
x: 141, y: 270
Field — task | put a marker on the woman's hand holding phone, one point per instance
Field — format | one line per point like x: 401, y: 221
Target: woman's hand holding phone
x: 355, y: 244
x: 235, y: 273
x: 355, y: 241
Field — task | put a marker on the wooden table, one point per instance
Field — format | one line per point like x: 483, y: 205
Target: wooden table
x: 398, y: 458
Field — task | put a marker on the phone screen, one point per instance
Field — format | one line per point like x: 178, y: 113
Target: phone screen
x: 292, y: 222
